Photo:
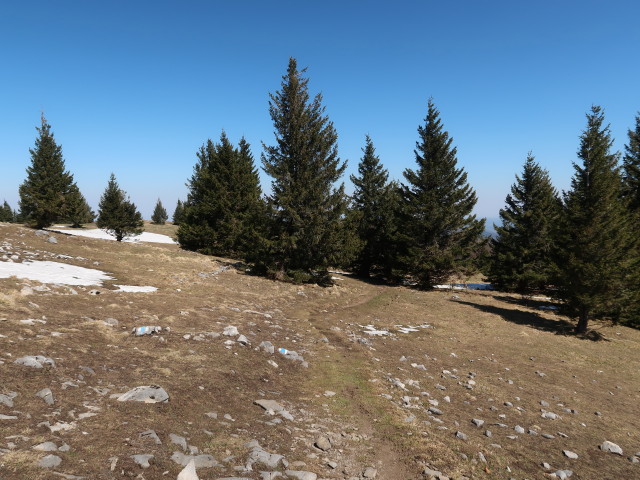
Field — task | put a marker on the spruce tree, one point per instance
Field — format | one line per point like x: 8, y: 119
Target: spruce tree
x: 117, y: 214
x: 78, y: 211
x: 223, y: 204
x: 631, y: 191
x: 307, y: 210
x: 178, y: 213
x: 159, y: 216
x: 442, y: 235
x: 594, y: 239
x: 373, y: 207
x: 43, y: 193
x: 523, y: 248
x: 6, y: 214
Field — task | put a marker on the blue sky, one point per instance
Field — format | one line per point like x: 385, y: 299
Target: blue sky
x: 136, y: 87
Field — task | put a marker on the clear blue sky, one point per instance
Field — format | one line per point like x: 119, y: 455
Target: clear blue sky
x: 135, y: 87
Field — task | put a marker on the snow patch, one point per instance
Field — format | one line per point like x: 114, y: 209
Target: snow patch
x: 134, y: 289
x: 465, y: 286
x: 53, y: 272
x: 101, y: 234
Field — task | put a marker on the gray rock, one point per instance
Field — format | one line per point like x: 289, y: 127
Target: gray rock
x: 270, y: 475
x: 143, y: 460
x: 242, y: 340
x: 152, y: 436
x: 488, y: 433
x: 550, y: 415
x: 301, y: 475
x: 178, y: 440
x: 261, y: 457
x: 563, y: 474
x: 7, y: 399
x: 200, y: 461
x: 189, y: 472
x: 477, y: 422
x: 46, y: 447
x: 111, y: 322
x: 570, y: 454
x: 267, y: 347
x: 546, y: 466
x: 481, y: 457
x: 431, y: 473
x: 274, y: 408
x: 548, y: 436
x: 323, y: 443
x: 50, y: 461
x: 47, y: 395
x: 230, y: 331
x: 611, y: 447
x: 8, y: 417
x: 435, y: 411
x: 461, y: 436
x: 146, y: 394
x: 370, y: 472
x: 35, y: 361
x: 518, y: 429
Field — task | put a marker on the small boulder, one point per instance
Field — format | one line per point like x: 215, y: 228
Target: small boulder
x: 611, y: 447
x: 323, y: 443
x: 146, y: 394
x: 143, y: 460
x: 47, y: 395
x: 35, y: 361
x: 50, y: 461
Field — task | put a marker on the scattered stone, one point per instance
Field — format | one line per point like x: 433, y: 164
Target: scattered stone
x: 370, y: 472
x: 519, y: 429
x: 546, y: 466
x: 242, y: 340
x: 435, y: 411
x: 151, y: 435
x: 267, y: 347
x: 46, y: 447
x: 562, y: 474
x: 146, y: 394
x: 570, y: 454
x: 7, y: 399
x: 611, y: 447
x: 35, y: 361
x: 47, y: 395
x: 261, y: 457
x: 50, y: 461
x: 548, y: 436
x: 274, y: 408
x: 189, y: 472
x: 461, y: 436
x: 230, y: 331
x: 482, y: 457
x: 143, y: 460
x: 550, y: 415
x: 477, y: 422
x: 178, y: 440
x: 110, y: 322
x: 488, y: 433
x: 301, y: 475
x: 323, y: 443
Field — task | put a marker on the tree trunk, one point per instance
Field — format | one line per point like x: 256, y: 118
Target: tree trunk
x: 583, y: 321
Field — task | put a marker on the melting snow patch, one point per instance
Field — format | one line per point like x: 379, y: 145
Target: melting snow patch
x: 371, y: 330
x: 53, y: 272
x: 103, y: 235
x: 409, y: 328
x: 134, y: 289
x: 465, y: 286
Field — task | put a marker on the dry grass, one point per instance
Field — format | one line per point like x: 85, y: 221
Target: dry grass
x: 498, y: 337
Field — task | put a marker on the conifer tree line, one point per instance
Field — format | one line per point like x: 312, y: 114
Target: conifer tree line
x: 580, y: 246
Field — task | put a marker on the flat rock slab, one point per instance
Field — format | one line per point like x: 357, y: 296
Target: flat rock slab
x: 300, y: 475
x: 274, y: 408
x: 262, y: 457
x: 146, y: 394
x: 46, y: 447
x: 47, y: 395
x: 143, y: 460
x: 7, y: 399
x: 189, y: 472
x: 152, y: 436
x: 50, y: 461
x: 35, y: 361
x: 200, y: 461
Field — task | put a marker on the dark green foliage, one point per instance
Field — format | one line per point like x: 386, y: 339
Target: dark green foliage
x: 594, y: 240
x: 178, y: 213
x: 6, y: 214
x: 223, y: 210
x: 522, y: 250
x: 117, y: 214
x: 159, y: 216
x: 631, y: 189
x: 43, y: 193
x: 374, y: 208
x: 442, y: 235
x: 78, y: 210
x: 307, y: 211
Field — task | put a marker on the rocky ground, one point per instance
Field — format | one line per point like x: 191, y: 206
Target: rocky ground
x: 371, y: 382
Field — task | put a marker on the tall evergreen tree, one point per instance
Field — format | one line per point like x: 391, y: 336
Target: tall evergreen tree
x: 306, y: 225
x: 523, y: 249
x: 6, y: 214
x: 374, y: 208
x: 78, y: 210
x: 159, y: 216
x: 117, y: 214
x: 631, y: 190
x: 224, y: 205
x: 594, y: 240
x: 178, y: 213
x: 43, y: 193
x: 442, y: 234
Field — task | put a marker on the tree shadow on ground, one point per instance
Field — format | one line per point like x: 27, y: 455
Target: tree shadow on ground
x: 531, y: 319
